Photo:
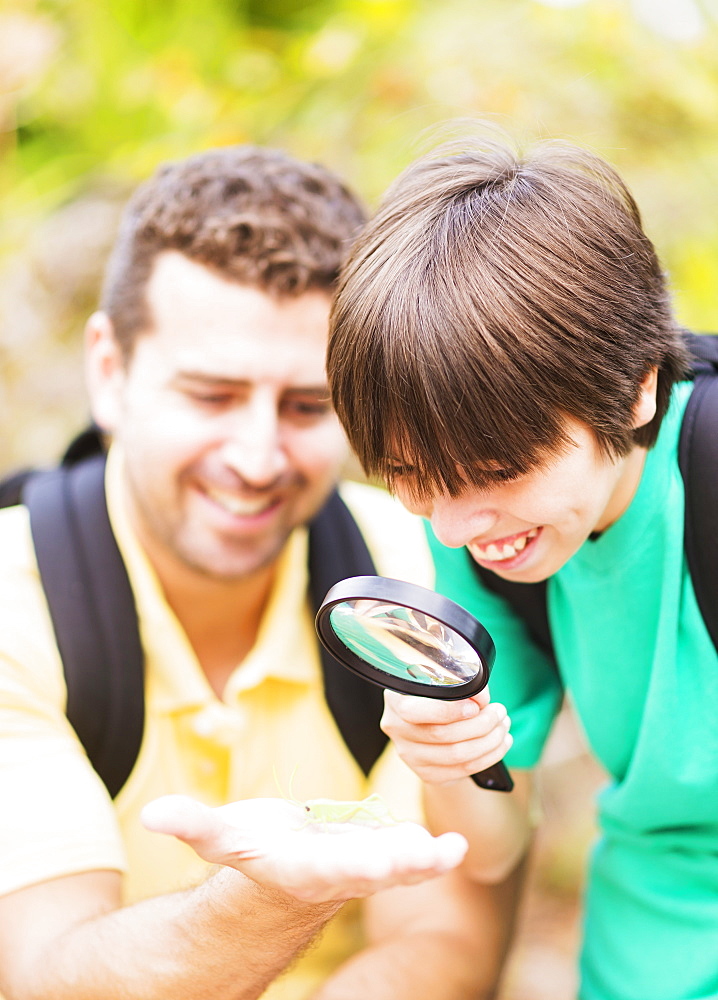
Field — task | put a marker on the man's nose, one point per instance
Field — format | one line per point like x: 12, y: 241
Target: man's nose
x: 459, y: 520
x: 253, y: 448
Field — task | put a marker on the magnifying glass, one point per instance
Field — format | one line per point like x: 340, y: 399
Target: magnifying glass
x: 409, y: 639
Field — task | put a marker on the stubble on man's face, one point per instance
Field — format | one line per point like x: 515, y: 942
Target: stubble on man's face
x: 228, y: 436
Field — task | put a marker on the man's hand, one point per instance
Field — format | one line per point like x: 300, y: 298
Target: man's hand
x: 443, y: 741
x: 271, y: 842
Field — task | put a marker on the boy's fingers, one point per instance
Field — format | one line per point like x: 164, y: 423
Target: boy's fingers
x: 440, y: 722
x: 488, y: 722
x: 461, y: 752
x: 423, y: 711
x: 482, y: 698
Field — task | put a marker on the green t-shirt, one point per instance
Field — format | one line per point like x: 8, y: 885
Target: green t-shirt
x: 635, y: 656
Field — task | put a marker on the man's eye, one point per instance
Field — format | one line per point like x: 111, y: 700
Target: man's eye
x: 211, y: 398
x: 308, y: 408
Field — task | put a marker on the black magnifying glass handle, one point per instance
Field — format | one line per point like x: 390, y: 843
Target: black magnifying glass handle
x: 496, y: 778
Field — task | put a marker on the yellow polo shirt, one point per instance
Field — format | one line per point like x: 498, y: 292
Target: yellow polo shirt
x: 272, y: 720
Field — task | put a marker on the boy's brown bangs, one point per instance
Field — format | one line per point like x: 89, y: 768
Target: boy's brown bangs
x: 451, y: 432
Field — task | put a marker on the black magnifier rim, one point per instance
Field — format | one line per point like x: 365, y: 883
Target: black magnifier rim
x: 408, y: 595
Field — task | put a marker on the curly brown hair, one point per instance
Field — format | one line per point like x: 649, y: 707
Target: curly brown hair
x: 256, y: 216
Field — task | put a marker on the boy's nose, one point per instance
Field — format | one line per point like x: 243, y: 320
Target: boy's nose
x: 459, y: 520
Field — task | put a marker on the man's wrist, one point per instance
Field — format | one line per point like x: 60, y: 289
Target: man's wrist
x: 233, y: 890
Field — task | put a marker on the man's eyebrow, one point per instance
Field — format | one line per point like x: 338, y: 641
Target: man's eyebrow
x: 321, y: 391
x: 209, y: 378
x: 197, y: 375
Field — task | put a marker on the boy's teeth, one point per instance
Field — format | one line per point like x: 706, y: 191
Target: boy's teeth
x: 492, y: 552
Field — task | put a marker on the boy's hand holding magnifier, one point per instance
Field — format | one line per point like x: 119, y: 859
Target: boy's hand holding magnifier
x: 434, y: 659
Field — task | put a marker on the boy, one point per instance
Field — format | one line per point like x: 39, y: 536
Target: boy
x: 503, y: 353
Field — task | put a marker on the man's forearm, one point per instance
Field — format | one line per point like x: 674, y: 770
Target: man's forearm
x: 228, y: 938
x: 71, y: 939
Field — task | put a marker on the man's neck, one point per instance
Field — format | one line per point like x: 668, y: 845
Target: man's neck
x: 221, y: 618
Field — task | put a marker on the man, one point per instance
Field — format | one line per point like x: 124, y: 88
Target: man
x: 503, y: 352
x: 206, y: 368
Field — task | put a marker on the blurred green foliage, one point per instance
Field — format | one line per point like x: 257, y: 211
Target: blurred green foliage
x: 93, y: 95
x: 107, y: 90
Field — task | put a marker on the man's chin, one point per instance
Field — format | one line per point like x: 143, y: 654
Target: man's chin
x: 223, y: 557
x: 223, y: 566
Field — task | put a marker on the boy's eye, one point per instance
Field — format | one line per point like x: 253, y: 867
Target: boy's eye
x: 401, y: 471
x: 495, y: 473
x: 503, y: 475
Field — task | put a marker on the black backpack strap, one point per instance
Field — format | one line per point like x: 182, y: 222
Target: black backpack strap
x: 698, y: 460
x: 337, y: 550
x: 12, y: 486
x: 93, y: 614
x: 88, y: 443
x: 704, y: 352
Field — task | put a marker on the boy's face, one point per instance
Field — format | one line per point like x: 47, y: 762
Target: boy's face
x: 527, y: 528
x: 224, y: 419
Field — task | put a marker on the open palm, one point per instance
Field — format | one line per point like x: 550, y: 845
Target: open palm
x: 271, y: 842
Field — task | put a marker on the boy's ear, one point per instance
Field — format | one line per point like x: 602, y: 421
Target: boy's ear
x: 644, y: 409
x: 105, y: 371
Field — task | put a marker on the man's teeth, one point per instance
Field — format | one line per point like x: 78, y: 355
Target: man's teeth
x: 506, y: 550
x: 239, y: 506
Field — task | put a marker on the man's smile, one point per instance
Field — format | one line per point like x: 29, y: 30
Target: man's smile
x: 240, y: 506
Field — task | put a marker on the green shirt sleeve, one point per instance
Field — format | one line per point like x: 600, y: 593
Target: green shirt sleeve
x: 523, y: 677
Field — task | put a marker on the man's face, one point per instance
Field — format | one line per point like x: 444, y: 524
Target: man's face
x: 526, y: 529
x: 223, y: 417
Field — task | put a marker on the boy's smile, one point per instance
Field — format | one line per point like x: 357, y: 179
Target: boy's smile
x: 504, y: 550
x: 526, y: 529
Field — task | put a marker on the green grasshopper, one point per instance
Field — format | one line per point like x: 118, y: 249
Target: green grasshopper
x: 371, y: 811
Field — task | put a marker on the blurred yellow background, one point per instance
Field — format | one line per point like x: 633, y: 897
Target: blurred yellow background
x: 93, y: 95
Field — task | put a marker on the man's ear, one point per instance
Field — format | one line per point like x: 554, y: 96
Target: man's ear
x: 644, y: 409
x: 105, y: 371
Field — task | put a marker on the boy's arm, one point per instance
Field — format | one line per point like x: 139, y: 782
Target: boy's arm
x: 446, y: 938
x: 445, y: 741
x: 496, y: 824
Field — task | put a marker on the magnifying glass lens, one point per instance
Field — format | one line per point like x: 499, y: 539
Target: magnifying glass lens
x: 404, y: 642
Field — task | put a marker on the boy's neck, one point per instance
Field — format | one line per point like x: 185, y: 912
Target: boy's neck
x: 625, y: 490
